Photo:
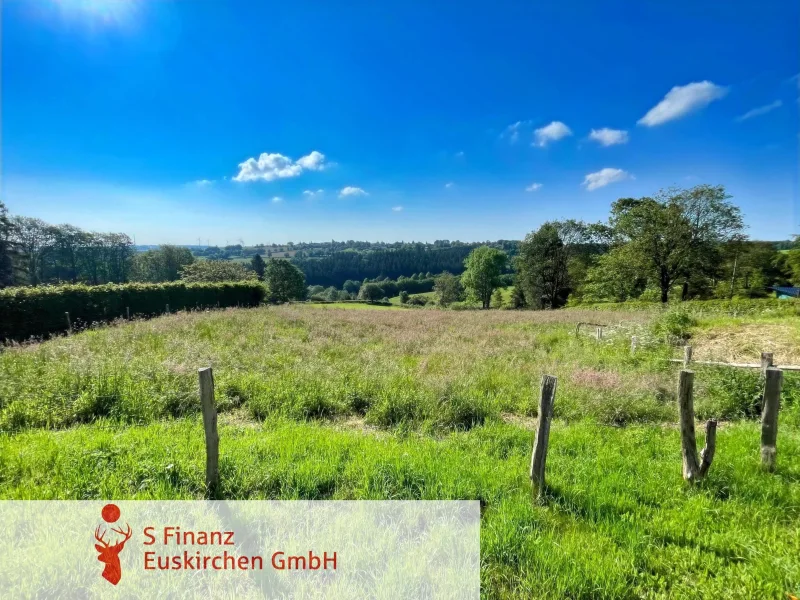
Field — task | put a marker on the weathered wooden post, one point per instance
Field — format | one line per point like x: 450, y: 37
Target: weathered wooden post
x: 69, y: 323
x: 687, y: 356
x: 693, y: 469
x: 766, y: 362
x: 128, y: 313
x: 599, y: 333
x: 633, y: 344
x: 769, y: 418
x: 540, y: 442
x: 167, y: 308
x: 209, y: 407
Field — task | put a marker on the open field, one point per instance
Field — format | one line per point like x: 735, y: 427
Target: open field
x: 318, y: 401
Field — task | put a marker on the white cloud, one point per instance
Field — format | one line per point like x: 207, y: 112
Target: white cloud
x: 761, y: 110
x: 277, y: 200
x: 533, y: 187
x: 682, y: 100
x: 449, y: 184
x: 352, y: 191
x: 203, y: 182
x: 551, y: 133
x: 609, y: 137
x: 605, y: 176
x: 512, y: 131
x: 312, y: 193
x: 269, y: 167
x: 313, y: 162
x: 397, y: 208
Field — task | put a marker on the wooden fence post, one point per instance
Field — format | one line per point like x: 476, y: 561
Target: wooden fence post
x: 769, y: 418
x: 69, y: 323
x: 540, y: 442
x: 766, y: 362
x: 633, y: 344
x: 167, y: 308
x: 687, y: 356
x: 209, y: 407
x: 693, y: 469
x: 599, y: 333
x: 128, y: 313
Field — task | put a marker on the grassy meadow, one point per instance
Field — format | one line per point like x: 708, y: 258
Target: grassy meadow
x: 359, y: 402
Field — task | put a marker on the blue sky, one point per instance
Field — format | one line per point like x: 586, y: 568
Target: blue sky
x: 438, y: 120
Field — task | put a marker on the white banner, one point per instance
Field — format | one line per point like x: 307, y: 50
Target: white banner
x: 240, y: 549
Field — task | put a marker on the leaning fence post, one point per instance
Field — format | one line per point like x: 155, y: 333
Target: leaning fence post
x: 766, y: 362
x: 687, y: 356
x: 209, y: 407
x: 633, y: 344
x: 540, y: 442
x: 69, y: 323
x: 686, y: 414
x: 769, y: 418
x: 693, y: 469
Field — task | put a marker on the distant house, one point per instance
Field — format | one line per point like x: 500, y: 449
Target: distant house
x: 786, y: 292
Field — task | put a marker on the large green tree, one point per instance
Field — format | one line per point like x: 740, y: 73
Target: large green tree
x: 675, y: 236
x: 284, y: 281
x: 483, y: 268
x: 547, y: 262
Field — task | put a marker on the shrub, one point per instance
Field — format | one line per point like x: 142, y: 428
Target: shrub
x: 674, y: 323
x: 27, y: 312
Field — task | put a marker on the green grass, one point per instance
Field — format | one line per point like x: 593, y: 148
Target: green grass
x: 348, y: 305
x: 618, y: 521
x: 425, y: 295
x: 352, y: 401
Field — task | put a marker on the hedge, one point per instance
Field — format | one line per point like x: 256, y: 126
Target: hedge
x: 27, y: 312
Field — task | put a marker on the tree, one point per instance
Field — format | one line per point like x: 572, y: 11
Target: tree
x: 544, y: 261
x: 6, y: 261
x: 371, y: 292
x: 518, y: 298
x: 284, y: 280
x: 351, y: 286
x: 34, y: 238
x: 257, y: 264
x: 676, y: 235
x: 497, y: 298
x: 216, y: 271
x: 484, y: 266
x: 164, y: 263
x: 448, y: 288
x: 403, y: 297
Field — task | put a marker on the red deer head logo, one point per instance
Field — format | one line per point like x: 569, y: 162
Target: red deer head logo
x: 109, y: 555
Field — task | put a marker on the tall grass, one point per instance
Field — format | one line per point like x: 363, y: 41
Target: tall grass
x: 437, y: 370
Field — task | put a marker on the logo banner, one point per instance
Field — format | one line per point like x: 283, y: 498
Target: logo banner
x: 240, y: 549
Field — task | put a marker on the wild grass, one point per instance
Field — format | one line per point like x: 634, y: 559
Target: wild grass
x: 618, y: 522
x: 428, y: 369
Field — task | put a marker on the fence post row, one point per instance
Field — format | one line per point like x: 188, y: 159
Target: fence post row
x: 693, y: 469
x: 539, y: 456
x: 769, y: 417
x: 209, y: 407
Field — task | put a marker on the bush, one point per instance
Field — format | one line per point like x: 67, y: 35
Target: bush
x: 27, y: 312
x: 674, y: 323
